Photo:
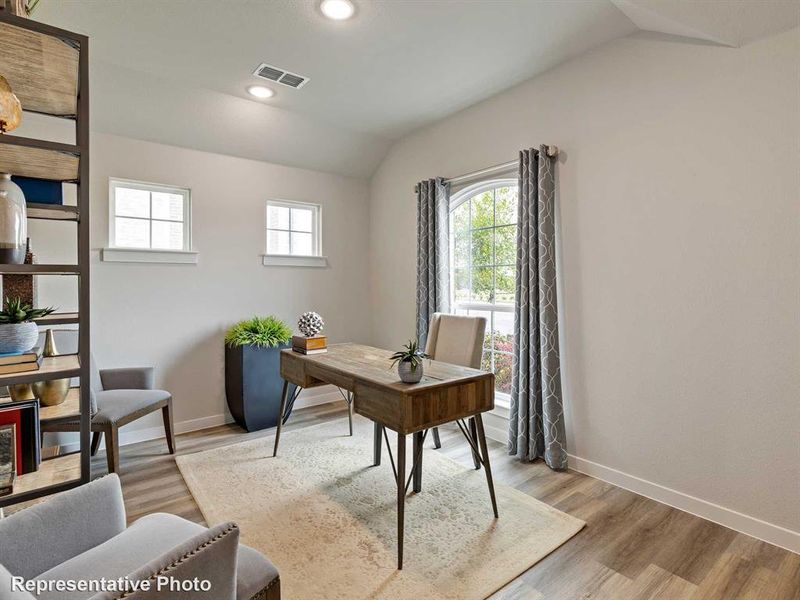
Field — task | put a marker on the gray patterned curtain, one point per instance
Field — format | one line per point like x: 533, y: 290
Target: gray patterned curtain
x: 536, y: 422
x: 433, y: 286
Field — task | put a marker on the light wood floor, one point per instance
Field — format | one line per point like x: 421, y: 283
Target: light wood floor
x: 632, y: 547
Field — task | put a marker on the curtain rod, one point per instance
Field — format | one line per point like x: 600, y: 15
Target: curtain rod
x: 552, y: 152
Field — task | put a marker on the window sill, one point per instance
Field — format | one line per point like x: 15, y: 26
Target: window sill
x: 501, y: 407
x: 288, y: 260
x: 142, y: 255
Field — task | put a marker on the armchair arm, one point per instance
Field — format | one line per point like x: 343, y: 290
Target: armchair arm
x: 208, y: 556
x: 131, y: 378
x: 38, y: 538
x: 6, y: 588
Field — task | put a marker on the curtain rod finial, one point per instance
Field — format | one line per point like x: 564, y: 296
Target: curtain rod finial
x: 552, y: 151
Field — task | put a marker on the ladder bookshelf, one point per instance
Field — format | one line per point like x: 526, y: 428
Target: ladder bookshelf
x: 48, y: 70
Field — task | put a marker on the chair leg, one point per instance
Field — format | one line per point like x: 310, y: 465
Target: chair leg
x: 166, y: 413
x: 473, y: 431
x: 376, y: 444
x: 417, y: 452
x: 437, y: 443
x: 112, y: 449
x: 96, y: 435
x: 350, y: 411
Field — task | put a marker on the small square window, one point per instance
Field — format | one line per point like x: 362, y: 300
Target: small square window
x: 149, y: 216
x: 293, y: 228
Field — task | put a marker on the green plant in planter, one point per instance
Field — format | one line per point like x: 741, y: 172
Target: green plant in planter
x: 16, y: 311
x: 411, y: 354
x: 264, y: 332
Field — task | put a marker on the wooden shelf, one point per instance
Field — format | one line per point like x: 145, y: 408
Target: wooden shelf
x: 39, y: 158
x: 41, y: 69
x: 53, y: 212
x: 54, y: 367
x: 48, y: 70
x: 52, y: 471
x: 58, y: 319
x: 68, y: 410
x: 39, y: 270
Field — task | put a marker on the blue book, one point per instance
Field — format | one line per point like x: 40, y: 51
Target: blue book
x: 40, y: 191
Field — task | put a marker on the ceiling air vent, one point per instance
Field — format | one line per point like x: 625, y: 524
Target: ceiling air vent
x: 281, y: 76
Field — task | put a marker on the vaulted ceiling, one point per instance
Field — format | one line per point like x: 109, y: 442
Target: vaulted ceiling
x: 177, y: 72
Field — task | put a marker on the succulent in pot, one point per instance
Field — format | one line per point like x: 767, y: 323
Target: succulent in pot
x: 18, y: 331
x: 409, y: 362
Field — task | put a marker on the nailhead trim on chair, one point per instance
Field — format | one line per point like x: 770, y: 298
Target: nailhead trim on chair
x: 172, y: 566
x: 263, y: 594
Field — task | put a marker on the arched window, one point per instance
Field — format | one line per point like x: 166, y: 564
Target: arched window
x: 483, y: 253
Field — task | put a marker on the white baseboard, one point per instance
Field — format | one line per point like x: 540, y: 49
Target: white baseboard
x: 496, y: 426
x: 315, y: 397
x: 768, y: 532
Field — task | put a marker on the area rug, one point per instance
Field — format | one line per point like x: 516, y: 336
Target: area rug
x: 327, y: 518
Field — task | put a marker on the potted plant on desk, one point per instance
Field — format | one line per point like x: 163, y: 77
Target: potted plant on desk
x: 409, y: 362
x: 253, y: 383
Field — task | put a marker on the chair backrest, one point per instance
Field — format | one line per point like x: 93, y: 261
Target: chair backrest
x: 456, y: 339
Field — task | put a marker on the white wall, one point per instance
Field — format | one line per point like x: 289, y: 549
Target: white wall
x: 174, y: 316
x: 680, y: 241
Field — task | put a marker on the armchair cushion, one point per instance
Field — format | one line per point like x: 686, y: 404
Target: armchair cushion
x: 150, y: 536
x: 131, y: 378
x: 115, y: 405
x: 45, y: 535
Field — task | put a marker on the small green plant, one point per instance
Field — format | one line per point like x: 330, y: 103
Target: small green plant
x: 264, y: 332
x: 411, y: 354
x: 16, y: 311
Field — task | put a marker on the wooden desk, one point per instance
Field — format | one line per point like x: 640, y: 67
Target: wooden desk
x: 446, y: 393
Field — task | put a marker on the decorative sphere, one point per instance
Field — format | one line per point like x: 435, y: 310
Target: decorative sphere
x: 310, y: 324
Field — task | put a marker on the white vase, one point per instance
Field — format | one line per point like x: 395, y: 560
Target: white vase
x: 13, y: 222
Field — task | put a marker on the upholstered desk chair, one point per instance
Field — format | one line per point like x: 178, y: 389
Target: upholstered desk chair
x: 119, y: 397
x: 453, y: 339
x: 457, y: 340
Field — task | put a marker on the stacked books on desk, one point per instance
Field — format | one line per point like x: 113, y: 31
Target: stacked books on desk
x: 315, y: 344
x: 20, y: 363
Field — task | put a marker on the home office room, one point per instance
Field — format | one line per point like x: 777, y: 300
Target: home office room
x: 380, y: 299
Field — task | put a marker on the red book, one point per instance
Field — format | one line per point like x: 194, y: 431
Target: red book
x: 12, y: 416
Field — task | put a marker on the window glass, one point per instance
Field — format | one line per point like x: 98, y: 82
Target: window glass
x: 293, y: 228
x: 483, y: 254
x: 148, y: 216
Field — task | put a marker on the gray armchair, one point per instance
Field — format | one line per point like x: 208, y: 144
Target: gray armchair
x: 118, y: 397
x: 81, y: 535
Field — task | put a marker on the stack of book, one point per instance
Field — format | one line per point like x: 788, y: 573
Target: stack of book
x: 316, y: 344
x: 20, y: 363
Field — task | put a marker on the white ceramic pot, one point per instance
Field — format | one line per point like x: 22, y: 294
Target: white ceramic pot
x: 16, y: 338
x: 407, y: 375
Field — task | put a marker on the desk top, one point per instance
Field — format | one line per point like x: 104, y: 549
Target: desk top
x: 445, y: 393
x: 374, y: 365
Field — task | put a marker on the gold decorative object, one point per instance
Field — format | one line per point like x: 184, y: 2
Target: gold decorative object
x: 10, y: 108
x: 54, y: 391
x: 21, y: 391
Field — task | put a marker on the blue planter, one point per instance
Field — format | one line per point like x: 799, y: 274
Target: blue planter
x: 253, y: 385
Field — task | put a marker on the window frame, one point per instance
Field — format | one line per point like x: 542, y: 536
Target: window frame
x: 316, y: 229
x: 185, y: 192
x: 457, y: 199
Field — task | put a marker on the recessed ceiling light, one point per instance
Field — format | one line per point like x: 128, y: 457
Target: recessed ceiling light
x: 259, y: 91
x: 338, y: 10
